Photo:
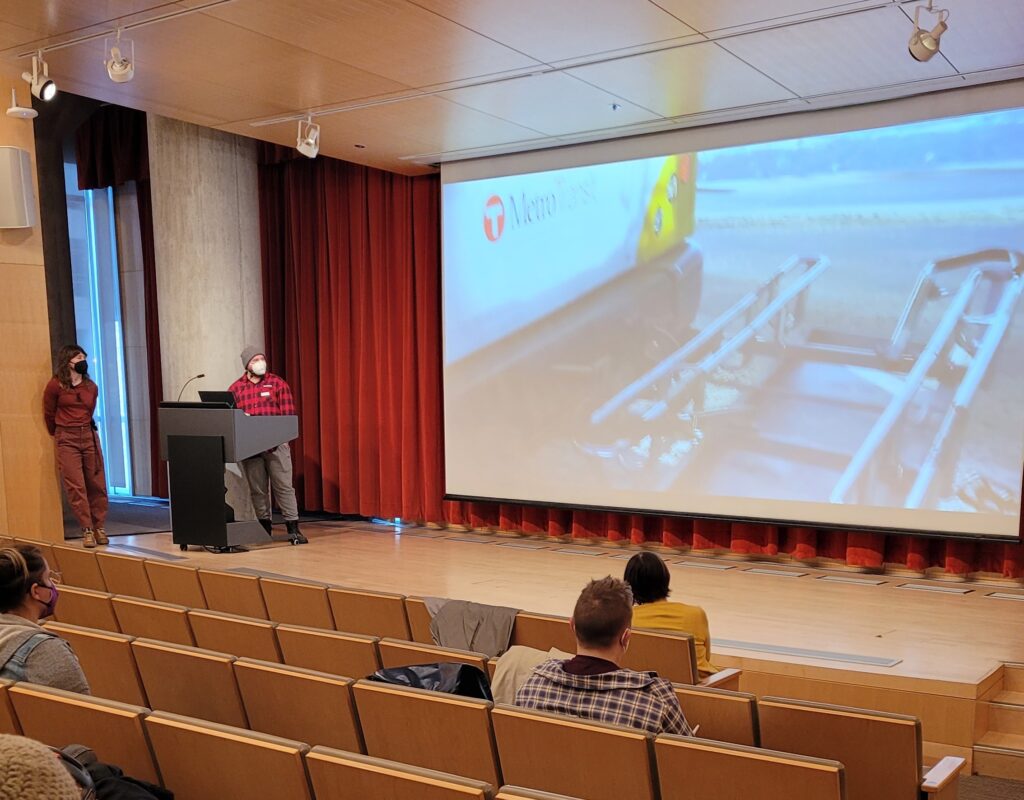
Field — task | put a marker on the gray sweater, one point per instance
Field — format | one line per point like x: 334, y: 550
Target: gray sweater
x: 52, y: 663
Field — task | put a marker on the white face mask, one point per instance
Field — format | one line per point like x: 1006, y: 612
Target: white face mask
x: 258, y: 368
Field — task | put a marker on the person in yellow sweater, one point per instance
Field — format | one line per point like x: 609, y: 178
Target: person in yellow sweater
x: 648, y: 576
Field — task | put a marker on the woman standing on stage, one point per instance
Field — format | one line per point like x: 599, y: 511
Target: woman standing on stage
x: 69, y: 401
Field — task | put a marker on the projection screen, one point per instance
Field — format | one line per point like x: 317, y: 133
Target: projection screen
x: 825, y: 330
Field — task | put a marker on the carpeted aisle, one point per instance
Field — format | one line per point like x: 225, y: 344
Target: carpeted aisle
x: 975, y: 787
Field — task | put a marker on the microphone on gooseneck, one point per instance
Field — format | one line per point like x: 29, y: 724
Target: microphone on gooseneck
x: 183, y: 388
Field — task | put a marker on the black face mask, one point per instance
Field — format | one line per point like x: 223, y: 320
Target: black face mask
x: 82, y: 367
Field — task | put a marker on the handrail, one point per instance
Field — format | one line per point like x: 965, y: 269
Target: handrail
x: 885, y: 423
x: 677, y: 360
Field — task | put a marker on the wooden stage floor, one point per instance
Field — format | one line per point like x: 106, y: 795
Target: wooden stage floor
x: 866, y: 640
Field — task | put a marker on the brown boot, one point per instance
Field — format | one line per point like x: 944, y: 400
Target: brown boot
x: 101, y: 536
x: 88, y: 538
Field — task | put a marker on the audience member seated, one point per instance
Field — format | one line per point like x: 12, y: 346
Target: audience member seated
x: 648, y: 577
x: 29, y: 770
x: 593, y: 685
x: 29, y: 652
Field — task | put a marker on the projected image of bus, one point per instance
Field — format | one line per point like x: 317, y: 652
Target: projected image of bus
x: 824, y: 330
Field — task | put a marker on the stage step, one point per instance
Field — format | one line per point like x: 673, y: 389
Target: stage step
x: 1013, y: 677
x: 1004, y: 758
x: 1000, y: 752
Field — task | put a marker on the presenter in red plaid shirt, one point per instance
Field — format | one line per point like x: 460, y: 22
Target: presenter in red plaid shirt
x: 262, y: 393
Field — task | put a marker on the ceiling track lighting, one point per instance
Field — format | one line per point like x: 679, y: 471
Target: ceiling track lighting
x: 120, y: 58
x: 923, y: 43
x: 308, y: 141
x: 43, y: 88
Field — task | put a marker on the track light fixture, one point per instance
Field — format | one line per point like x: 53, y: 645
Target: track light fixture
x: 39, y: 80
x: 120, y: 58
x: 308, y: 142
x: 925, y: 43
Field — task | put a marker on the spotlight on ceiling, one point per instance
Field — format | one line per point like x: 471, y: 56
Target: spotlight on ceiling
x: 924, y: 43
x: 39, y: 79
x: 120, y: 60
x: 308, y: 142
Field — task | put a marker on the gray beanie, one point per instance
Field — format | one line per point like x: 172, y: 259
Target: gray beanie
x: 249, y: 353
x: 30, y: 770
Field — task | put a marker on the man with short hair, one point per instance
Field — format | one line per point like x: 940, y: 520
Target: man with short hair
x: 593, y: 685
x: 262, y: 393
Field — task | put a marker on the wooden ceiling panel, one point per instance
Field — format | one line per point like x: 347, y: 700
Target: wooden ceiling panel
x: 383, y: 146
x: 684, y: 80
x: 981, y: 35
x: 554, y: 103
x: 557, y: 31
x: 32, y: 20
x: 715, y: 15
x: 395, y: 39
x: 848, y: 53
x: 186, y: 97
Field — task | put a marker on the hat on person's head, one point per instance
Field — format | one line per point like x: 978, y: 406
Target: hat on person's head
x: 249, y: 353
x: 29, y: 770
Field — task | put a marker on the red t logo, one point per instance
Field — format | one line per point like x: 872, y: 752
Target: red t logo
x: 494, y: 218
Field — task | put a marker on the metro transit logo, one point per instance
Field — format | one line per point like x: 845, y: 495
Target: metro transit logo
x: 494, y: 218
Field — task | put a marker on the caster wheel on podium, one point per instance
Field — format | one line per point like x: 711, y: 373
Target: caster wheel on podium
x: 183, y: 546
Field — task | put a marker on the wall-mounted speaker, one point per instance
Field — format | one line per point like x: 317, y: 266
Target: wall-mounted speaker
x: 17, y: 194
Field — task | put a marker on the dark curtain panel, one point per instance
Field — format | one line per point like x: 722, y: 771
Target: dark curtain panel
x: 112, y: 148
x: 351, y: 271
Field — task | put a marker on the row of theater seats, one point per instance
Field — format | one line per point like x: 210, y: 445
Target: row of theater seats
x: 881, y: 752
x: 198, y: 759
x: 474, y: 739
x: 353, y: 612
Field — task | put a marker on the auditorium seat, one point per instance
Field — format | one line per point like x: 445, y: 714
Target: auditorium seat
x: 882, y: 752
x: 333, y: 652
x: 297, y: 603
x: 113, y: 730
x: 8, y: 719
x: 87, y: 608
x: 107, y: 660
x: 191, y: 681
x: 338, y: 775
x: 175, y: 583
x: 10, y: 541
x: 543, y: 631
x: 698, y: 769
x: 672, y: 655
x: 570, y: 756
x: 124, y: 574
x: 419, y: 620
x: 299, y: 703
x: 151, y: 619
x: 722, y: 715
x: 372, y: 613
x: 46, y: 548
x: 78, y: 567
x: 230, y: 633
x: 428, y: 729
x: 398, y: 653
x: 233, y: 593
x: 200, y: 760
x: 519, y: 793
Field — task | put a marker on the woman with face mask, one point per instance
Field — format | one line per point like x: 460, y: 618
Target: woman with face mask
x: 29, y: 652
x: 69, y: 401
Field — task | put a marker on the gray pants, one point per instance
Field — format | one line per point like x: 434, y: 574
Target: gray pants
x: 277, y: 464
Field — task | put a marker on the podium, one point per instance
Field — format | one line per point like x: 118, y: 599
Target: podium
x: 197, y: 440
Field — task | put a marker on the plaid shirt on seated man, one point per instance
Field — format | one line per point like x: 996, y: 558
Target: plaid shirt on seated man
x: 593, y: 685
x: 624, y: 697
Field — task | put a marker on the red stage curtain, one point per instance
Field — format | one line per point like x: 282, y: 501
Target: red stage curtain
x: 351, y: 270
x: 112, y: 148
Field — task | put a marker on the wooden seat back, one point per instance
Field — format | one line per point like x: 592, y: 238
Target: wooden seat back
x: 233, y: 593
x: 230, y: 633
x: 348, y: 654
x: 543, y: 631
x: 397, y: 653
x: 672, y: 655
x: 723, y: 716
x: 124, y: 574
x: 78, y: 568
x: 152, y: 619
x: 297, y: 603
x: 379, y: 614
x: 108, y: 661
x: 418, y: 615
x: 175, y: 583
x: 87, y: 608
